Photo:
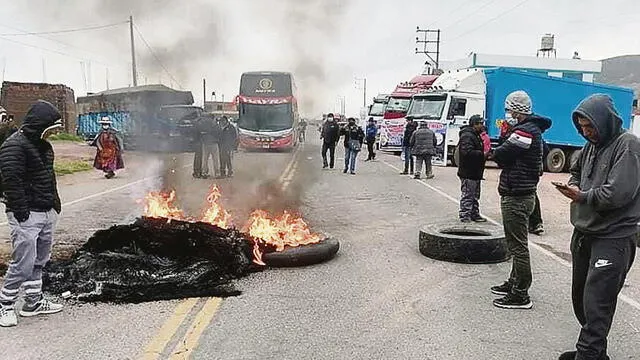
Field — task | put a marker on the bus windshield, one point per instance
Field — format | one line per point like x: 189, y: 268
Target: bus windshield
x: 254, y: 117
x: 377, y: 109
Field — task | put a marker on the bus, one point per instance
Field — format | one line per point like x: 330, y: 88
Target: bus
x: 267, y: 111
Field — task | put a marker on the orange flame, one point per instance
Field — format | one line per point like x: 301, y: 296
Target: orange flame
x: 286, y: 230
x: 160, y: 205
x: 215, y: 214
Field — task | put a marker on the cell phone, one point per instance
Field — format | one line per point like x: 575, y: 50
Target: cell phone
x: 559, y: 184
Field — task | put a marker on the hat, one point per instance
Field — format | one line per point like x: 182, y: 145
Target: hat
x: 518, y: 101
x: 329, y: 114
x: 476, y: 119
x: 105, y: 120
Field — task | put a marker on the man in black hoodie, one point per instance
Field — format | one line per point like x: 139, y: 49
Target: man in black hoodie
x: 471, y: 169
x: 605, y: 212
x: 520, y: 157
x: 330, y: 135
x: 33, y: 205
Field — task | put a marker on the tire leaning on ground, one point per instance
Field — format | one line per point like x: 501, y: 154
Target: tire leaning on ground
x: 303, y: 255
x: 464, y: 243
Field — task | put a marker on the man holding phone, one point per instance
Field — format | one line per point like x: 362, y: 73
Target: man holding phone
x: 605, y: 212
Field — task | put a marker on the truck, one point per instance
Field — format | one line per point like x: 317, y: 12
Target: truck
x: 149, y: 117
x: 393, y: 119
x: 455, y: 96
x: 376, y: 109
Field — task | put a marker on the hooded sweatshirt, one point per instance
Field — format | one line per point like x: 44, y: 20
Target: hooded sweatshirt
x: 606, y: 173
x: 26, y: 163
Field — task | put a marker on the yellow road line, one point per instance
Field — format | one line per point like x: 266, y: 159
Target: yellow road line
x: 190, y: 340
x: 168, y: 329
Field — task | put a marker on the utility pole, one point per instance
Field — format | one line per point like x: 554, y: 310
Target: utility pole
x: 106, y: 77
x: 427, y: 40
x: 133, y: 54
x: 204, y: 93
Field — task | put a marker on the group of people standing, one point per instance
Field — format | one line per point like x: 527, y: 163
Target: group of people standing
x: 603, y: 180
x: 420, y: 142
x: 354, y: 138
x: 216, y: 139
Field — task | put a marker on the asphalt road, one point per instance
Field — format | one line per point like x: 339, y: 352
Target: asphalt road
x: 378, y: 299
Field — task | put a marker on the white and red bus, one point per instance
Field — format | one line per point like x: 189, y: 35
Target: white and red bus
x: 268, y: 111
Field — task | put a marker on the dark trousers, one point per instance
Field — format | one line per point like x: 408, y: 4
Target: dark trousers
x: 536, y: 217
x: 516, y: 211
x: 600, y: 267
x: 370, y: 146
x: 408, y: 159
x: 332, y: 154
x: 469, y: 199
x: 197, y: 161
x: 226, y: 168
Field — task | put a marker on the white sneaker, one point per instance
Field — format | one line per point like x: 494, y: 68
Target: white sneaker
x: 8, y: 316
x: 42, y: 307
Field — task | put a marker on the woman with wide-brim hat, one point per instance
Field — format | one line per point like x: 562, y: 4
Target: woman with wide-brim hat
x: 109, y: 154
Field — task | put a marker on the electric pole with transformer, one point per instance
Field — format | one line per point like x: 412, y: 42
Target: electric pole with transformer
x: 427, y: 42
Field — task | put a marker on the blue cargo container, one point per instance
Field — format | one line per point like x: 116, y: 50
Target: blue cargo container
x: 89, y: 127
x: 553, y: 97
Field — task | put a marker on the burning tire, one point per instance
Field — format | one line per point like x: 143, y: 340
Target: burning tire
x: 303, y: 255
x: 462, y: 243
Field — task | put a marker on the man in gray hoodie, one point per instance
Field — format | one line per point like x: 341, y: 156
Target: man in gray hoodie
x: 605, y: 211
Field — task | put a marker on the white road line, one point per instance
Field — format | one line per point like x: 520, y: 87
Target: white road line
x: 555, y: 257
x: 290, y: 170
x: 117, y: 188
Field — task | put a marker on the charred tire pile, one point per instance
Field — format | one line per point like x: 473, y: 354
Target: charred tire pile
x: 153, y: 259
x: 462, y: 243
x: 303, y: 255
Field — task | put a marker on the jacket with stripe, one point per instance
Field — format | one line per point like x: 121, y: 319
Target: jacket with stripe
x: 520, y: 157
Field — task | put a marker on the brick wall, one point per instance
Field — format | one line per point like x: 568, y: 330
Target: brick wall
x: 16, y: 98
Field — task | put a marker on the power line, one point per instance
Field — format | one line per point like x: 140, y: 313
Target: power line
x: 66, y: 31
x: 156, y: 56
x: 471, y: 13
x: 490, y: 20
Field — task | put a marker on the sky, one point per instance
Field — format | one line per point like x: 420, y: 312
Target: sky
x: 327, y: 44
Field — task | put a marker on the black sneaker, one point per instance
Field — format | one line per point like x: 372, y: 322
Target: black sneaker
x: 325, y: 166
x: 465, y: 220
x: 417, y: 177
x: 404, y: 173
x: 479, y: 219
x: 537, y: 230
x: 503, y: 289
x: 345, y: 171
x: 513, y: 301
x: 568, y: 355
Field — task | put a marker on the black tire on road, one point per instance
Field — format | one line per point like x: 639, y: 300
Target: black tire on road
x: 303, y: 255
x: 464, y: 243
x: 555, y: 160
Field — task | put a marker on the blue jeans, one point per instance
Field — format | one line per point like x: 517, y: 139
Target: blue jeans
x: 408, y: 159
x: 350, y: 159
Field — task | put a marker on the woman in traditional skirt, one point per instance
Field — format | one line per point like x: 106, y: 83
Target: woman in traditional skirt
x: 109, y: 154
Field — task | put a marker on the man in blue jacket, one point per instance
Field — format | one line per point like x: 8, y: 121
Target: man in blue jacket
x: 605, y: 212
x: 370, y: 138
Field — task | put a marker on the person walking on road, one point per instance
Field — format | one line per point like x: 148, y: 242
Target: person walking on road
x: 423, y: 145
x: 210, y: 142
x: 370, y: 139
x: 32, y: 206
x: 520, y: 157
x: 302, y: 128
x: 471, y: 169
x: 228, y: 144
x: 409, y: 128
x: 109, y: 149
x: 605, y: 212
x: 353, y: 139
x: 330, y: 136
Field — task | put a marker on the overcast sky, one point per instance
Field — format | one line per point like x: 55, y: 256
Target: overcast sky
x: 326, y: 43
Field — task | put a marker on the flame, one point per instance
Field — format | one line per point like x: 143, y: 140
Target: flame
x: 286, y: 230
x: 160, y: 205
x: 215, y: 214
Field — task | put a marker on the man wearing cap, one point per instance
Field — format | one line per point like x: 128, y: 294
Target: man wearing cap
x: 32, y: 205
x: 471, y: 169
x: 109, y: 154
x: 520, y: 157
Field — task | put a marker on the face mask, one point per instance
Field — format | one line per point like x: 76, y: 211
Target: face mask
x: 50, y: 130
x: 105, y: 127
x: 510, y: 119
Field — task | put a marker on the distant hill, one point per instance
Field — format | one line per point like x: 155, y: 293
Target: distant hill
x: 622, y: 71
